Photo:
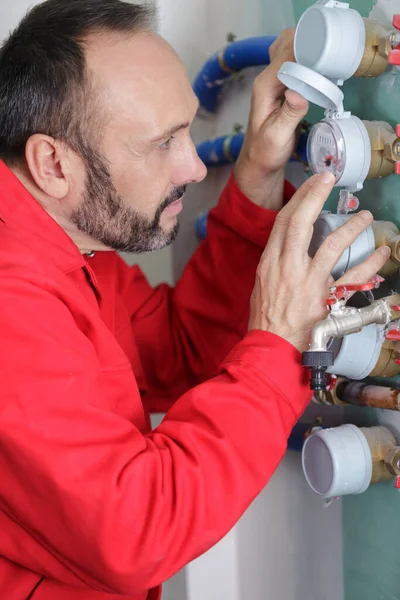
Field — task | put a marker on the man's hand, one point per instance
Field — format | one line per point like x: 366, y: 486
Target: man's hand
x: 291, y: 289
x: 271, y: 132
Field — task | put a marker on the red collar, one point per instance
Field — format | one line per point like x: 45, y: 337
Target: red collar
x: 37, y: 230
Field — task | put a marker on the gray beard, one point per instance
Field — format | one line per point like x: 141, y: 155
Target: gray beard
x: 105, y: 217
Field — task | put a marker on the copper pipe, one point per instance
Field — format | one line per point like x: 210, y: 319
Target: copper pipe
x: 362, y: 394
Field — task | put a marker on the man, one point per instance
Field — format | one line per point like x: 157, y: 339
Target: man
x: 94, y: 139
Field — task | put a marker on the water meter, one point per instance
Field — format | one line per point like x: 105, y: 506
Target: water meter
x: 331, y: 44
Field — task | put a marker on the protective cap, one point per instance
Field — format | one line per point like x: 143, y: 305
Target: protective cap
x: 359, y: 251
x: 337, y: 461
x: 311, y: 85
x: 330, y: 39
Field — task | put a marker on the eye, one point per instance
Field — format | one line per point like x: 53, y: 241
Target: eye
x: 166, y: 145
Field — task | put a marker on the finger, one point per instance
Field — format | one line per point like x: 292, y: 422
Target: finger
x: 289, y: 116
x: 267, y: 89
x: 362, y: 273
x: 285, y: 41
x: 336, y: 243
x: 294, y: 224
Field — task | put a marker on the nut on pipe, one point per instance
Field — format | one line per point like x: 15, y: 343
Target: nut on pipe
x: 377, y: 47
x: 382, y: 137
x: 392, y: 461
x: 381, y: 442
x: 387, y: 234
x: 386, y: 365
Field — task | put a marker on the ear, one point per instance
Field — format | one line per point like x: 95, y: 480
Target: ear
x: 47, y: 161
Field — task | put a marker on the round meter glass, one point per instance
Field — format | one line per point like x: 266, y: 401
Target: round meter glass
x: 326, y: 149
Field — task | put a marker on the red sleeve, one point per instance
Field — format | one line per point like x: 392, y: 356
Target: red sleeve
x: 88, y: 500
x: 184, y: 333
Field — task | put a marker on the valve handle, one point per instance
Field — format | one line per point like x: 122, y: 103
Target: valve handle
x: 332, y: 380
x: 339, y: 292
x: 393, y: 335
x: 396, y: 21
x: 394, y: 57
x: 397, y: 168
x: 398, y: 130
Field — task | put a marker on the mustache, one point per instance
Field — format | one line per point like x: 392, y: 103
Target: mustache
x: 175, y: 195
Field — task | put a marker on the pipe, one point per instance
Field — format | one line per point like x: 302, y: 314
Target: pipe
x: 362, y: 394
x: 233, y: 58
x: 346, y: 320
x: 225, y: 150
x: 220, y: 151
x: 298, y: 436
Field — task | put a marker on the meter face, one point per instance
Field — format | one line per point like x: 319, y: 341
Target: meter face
x: 326, y: 149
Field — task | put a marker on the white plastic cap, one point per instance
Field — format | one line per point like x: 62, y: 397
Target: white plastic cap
x: 311, y: 85
x: 358, y: 353
x: 337, y: 461
x: 331, y: 39
x: 360, y: 250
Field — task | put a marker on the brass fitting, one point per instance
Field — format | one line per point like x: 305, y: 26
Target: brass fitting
x: 381, y: 442
x: 377, y: 48
x: 386, y: 366
x: 392, y: 461
x: 394, y: 244
x: 383, y: 141
x: 386, y: 234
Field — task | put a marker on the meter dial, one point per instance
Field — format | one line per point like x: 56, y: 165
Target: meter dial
x: 326, y: 149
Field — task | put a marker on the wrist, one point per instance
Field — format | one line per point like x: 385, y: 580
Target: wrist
x: 265, y: 190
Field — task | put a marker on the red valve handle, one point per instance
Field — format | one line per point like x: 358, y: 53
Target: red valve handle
x: 339, y: 292
x: 393, y: 335
x: 394, y: 57
x: 332, y: 381
x: 398, y: 130
x: 397, y: 168
x: 396, y: 21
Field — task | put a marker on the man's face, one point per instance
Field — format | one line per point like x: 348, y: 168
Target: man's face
x: 135, y: 178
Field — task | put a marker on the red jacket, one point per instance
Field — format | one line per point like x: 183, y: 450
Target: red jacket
x: 92, y: 503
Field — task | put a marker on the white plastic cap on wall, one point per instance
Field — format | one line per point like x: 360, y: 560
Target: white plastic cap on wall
x: 337, y: 461
x: 359, y: 353
x: 361, y: 249
x: 330, y: 39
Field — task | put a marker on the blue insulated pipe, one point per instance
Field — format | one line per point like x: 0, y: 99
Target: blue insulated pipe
x: 225, y: 150
x: 251, y: 52
x: 220, y: 151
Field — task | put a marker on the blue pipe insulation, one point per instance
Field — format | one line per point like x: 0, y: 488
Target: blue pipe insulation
x: 296, y: 439
x: 225, y: 150
x: 251, y: 52
x: 220, y: 151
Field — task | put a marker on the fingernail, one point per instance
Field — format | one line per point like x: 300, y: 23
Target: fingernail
x: 385, y: 251
x: 366, y: 215
x: 327, y: 177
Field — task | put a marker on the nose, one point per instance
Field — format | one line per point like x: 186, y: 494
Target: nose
x: 191, y: 168
x: 200, y: 172
x: 198, y: 168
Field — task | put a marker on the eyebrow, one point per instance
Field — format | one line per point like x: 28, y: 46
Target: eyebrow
x: 167, y: 134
